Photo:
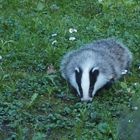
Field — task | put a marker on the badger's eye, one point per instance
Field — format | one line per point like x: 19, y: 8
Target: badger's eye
x: 95, y: 69
x: 77, y: 70
x: 78, y: 76
x: 93, y: 74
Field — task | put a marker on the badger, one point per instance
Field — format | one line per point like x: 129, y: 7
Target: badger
x: 95, y: 65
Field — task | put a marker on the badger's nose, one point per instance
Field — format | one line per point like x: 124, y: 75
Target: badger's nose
x: 89, y: 99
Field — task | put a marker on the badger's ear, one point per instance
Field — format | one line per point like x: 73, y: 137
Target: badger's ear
x: 94, y: 71
x: 94, y: 68
x: 78, y: 77
x: 93, y: 75
x: 77, y: 70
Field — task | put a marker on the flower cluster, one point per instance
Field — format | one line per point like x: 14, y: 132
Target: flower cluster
x: 71, y: 31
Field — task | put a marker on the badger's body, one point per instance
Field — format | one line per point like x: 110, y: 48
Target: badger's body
x: 93, y: 66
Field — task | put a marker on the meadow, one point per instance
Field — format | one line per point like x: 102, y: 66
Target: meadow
x: 36, y: 103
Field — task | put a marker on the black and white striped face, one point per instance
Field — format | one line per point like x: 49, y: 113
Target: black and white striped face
x: 85, y: 80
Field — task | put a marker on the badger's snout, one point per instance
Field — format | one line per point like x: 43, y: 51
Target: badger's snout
x: 89, y: 99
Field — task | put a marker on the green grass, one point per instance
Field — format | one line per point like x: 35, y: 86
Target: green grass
x: 38, y: 105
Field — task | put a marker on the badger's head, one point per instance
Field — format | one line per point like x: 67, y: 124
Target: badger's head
x: 87, y: 82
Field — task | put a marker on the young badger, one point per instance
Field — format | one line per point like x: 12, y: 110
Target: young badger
x: 95, y: 65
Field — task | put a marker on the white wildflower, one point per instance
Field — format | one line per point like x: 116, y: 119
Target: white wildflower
x: 139, y: 67
x: 135, y: 84
x: 124, y: 72
x: 72, y: 38
x: 0, y: 57
x: 130, y: 121
x: 135, y: 108
x: 54, y: 42
x: 55, y: 34
x: 72, y: 30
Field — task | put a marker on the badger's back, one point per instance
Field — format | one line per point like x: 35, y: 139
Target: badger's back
x: 114, y: 49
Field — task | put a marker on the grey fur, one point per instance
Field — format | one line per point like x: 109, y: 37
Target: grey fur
x: 110, y: 56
